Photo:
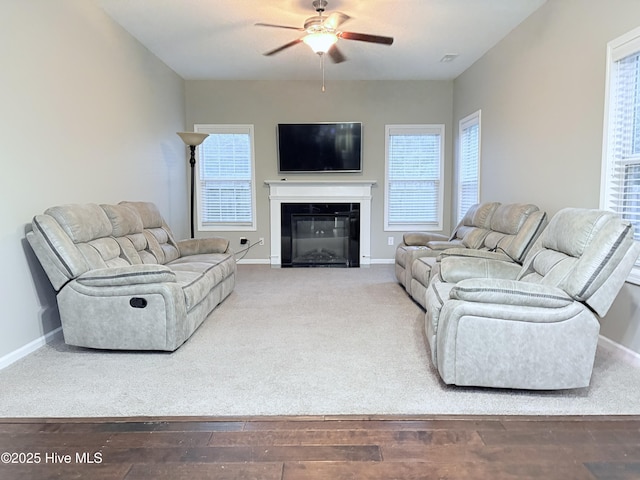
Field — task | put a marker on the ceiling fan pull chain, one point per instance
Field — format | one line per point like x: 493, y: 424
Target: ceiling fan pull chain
x: 322, y: 66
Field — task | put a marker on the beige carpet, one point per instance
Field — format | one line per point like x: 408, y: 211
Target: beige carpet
x: 292, y: 342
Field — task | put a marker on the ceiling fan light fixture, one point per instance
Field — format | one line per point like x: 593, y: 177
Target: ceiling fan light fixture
x: 320, y: 42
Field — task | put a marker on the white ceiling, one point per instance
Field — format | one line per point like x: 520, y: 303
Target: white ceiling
x: 217, y: 39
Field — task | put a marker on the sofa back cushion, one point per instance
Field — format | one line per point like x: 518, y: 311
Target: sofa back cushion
x: 579, y: 251
x: 127, y: 229
x: 514, y: 228
x: 90, y: 230
x: 70, y: 240
x: 475, y: 224
x: 159, y: 238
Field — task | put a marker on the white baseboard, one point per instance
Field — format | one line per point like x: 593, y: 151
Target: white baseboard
x: 30, y: 347
x: 254, y: 261
x: 621, y: 351
x: 382, y: 261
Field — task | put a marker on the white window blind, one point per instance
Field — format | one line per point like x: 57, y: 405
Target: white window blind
x: 621, y: 151
x: 226, y: 198
x: 468, y: 168
x: 414, y: 169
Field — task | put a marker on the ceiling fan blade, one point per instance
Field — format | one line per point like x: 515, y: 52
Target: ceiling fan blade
x: 364, y: 37
x: 286, y: 45
x: 335, y: 19
x: 300, y: 29
x: 336, y: 55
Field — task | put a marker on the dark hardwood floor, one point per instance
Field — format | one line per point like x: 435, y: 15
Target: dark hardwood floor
x: 332, y: 448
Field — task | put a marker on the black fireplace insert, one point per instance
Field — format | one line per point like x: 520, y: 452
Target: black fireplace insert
x: 320, y: 235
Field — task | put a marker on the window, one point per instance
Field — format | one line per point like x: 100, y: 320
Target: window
x: 413, y: 184
x: 225, y: 178
x: 620, y: 190
x: 468, y: 165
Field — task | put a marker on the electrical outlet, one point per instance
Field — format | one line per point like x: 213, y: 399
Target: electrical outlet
x: 389, y: 240
x: 243, y: 240
x: 261, y: 241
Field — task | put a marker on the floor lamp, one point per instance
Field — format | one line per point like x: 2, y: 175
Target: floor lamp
x: 192, y: 140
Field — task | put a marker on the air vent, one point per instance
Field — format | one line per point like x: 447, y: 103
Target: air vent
x: 449, y: 57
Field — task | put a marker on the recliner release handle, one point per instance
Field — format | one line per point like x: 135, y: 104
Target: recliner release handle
x: 137, y: 302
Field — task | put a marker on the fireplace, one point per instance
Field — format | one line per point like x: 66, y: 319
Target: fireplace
x: 320, y: 234
x: 356, y: 193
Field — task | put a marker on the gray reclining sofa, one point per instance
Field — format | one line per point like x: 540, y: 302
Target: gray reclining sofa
x: 494, y: 323
x: 491, y: 230
x: 122, y: 281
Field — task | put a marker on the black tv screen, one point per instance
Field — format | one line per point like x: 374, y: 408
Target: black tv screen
x: 319, y: 147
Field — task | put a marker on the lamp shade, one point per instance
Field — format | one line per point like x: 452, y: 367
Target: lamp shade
x: 192, y: 138
x: 320, y: 42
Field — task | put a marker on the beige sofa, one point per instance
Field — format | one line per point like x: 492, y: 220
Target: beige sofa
x: 494, y: 323
x: 123, y: 281
x: 500, y: 231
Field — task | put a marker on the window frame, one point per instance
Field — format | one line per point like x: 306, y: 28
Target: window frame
x: 419, y: 129
x: 466, y: 122
x: 617, y: 49
x: 213, y: 129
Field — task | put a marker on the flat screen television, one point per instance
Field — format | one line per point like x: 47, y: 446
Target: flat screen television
x: 319, y: 147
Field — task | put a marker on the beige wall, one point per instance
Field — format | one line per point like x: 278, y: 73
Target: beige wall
x: 541, y: 91
x: 267, y: 103
x: 87, y: 115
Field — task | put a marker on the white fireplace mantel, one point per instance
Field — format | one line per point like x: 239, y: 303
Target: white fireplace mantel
x: 320, y: 191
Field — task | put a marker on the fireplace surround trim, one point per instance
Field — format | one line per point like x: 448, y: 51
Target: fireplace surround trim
x: 320, y: 191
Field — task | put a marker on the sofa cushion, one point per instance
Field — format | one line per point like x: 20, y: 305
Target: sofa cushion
x: 127, y: 230
x: 161, y: 244
x: 509, y: 218
x: 90, y: 230
x: 480, y: 215
x: 476, y: 224
x: 578, y: 251
x: 506, y: 223
x: 158, y: 235
x: 513, y: 229
x: 81, y: 222
x: 102, y: 252
x: 148, y: 213
x: 571, y: 233
x: 474, y: 237
x: 198, y: 276
x: 124, y: 220
x: 516, y: 246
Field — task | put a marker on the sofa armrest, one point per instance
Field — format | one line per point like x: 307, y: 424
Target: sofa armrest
x: 510, y: 292
x: 196, y: 246
x: 444, y: 245
x: 475, y: 253
x: 455, y: 269
x: 420, y: 239
x: 129, y: 275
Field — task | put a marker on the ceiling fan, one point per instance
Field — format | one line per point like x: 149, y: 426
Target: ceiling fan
x: 322, y: 32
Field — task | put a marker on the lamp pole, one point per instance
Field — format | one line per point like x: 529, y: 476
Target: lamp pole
x: 192, y: 162
x: 192, y: 140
